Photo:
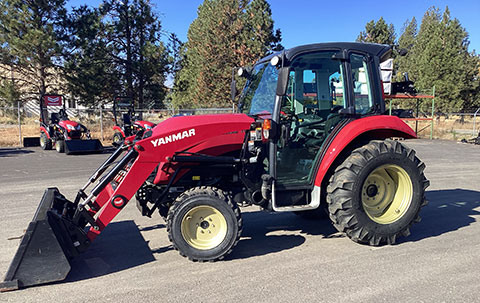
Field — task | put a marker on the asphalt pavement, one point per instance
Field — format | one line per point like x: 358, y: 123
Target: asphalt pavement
x: 280, y: 257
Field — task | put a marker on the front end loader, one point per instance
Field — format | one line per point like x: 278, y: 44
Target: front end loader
x: 311, y: 135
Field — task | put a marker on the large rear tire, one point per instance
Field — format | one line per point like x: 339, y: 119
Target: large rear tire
x: 204, y: 224
x: 118, y: 139
x: 45, y: 142
x: 376, y: 194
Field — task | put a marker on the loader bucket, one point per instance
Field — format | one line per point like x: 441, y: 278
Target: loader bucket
x: 83, y: 146
x: 46, y: 247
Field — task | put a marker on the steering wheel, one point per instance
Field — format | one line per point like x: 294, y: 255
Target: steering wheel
x: 336, y: 109
x: 286, y: 120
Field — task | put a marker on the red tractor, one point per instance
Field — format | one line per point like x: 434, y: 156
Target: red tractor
x: 129, y: 125
x: 311, y: 135
x: 62, y: 133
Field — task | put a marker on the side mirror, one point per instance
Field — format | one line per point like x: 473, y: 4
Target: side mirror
x: 282, y: 81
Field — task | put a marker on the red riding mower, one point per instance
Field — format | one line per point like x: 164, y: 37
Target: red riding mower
x: 64, y: 134
x: 129, y: 125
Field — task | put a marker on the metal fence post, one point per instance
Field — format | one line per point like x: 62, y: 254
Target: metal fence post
x: 19, y: 124
x: 474, y: 122
x: 433, y: 113
x: 101, y: 122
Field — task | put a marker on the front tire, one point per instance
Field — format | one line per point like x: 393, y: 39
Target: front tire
x: 60, y: 146
x: 376, y: 194
x: 204, y: 224
x: 45, y: 142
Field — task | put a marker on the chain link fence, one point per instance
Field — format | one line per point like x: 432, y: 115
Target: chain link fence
x: 17, y: 122
x: 20, y: 121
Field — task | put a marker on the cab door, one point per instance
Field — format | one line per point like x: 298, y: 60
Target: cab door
x: 318, y: 89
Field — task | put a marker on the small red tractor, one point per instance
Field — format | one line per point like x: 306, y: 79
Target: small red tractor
x: 62, y: 133
x: 310, y: 135
x: 129, y: 124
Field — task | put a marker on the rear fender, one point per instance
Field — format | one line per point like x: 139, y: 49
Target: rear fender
x: 118, y: 129
x: 374, y: 127
x: 43, y: 129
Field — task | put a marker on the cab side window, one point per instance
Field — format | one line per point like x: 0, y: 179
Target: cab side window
x: 362, y: 89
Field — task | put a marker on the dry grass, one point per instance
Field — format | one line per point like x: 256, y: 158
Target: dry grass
x: 9, y: 135
x: 453, y: 128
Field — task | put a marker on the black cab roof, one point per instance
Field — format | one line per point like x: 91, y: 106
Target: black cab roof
x: 382, y: 51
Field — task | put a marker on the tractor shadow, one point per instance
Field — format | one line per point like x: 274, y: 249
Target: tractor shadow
x: 9, y: 152
x: 447, y: 211
x: 118, y: 247
x: 261, y: 230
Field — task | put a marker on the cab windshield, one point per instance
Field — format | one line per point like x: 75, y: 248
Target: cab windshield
x: 258, y: 95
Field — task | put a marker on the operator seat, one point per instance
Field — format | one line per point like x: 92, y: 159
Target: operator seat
x: 126, y: 119
x: 54, y: 118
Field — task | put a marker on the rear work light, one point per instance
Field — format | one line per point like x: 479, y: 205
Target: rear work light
x: 267, y: 126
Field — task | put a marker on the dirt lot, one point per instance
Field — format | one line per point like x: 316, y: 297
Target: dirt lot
x: 280, y: 257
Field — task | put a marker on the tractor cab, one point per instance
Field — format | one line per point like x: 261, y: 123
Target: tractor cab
x: 309, y: 93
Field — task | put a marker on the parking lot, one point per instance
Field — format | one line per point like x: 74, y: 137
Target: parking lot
x: 280, y: 257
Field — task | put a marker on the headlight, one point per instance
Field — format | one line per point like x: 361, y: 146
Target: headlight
x: 275, y: 60
x: 70, y: 127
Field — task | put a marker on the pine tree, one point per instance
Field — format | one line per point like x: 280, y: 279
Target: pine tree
x: 440, y: 58
x: 226, y: 33
x: 405, y: 42
x: 31, y: 52
x: 133, y: 31
x: 378, y: 32
x: 91, y: 76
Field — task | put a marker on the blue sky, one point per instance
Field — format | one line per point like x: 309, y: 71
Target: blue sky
x: 310, y: 21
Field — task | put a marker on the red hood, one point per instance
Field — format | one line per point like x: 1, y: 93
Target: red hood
x: 185, y: 132
x: 64, y: 123
x: 144, y: 123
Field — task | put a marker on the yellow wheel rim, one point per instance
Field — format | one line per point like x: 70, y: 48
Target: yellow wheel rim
x: 204, y: 227
x: 387, y: 194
